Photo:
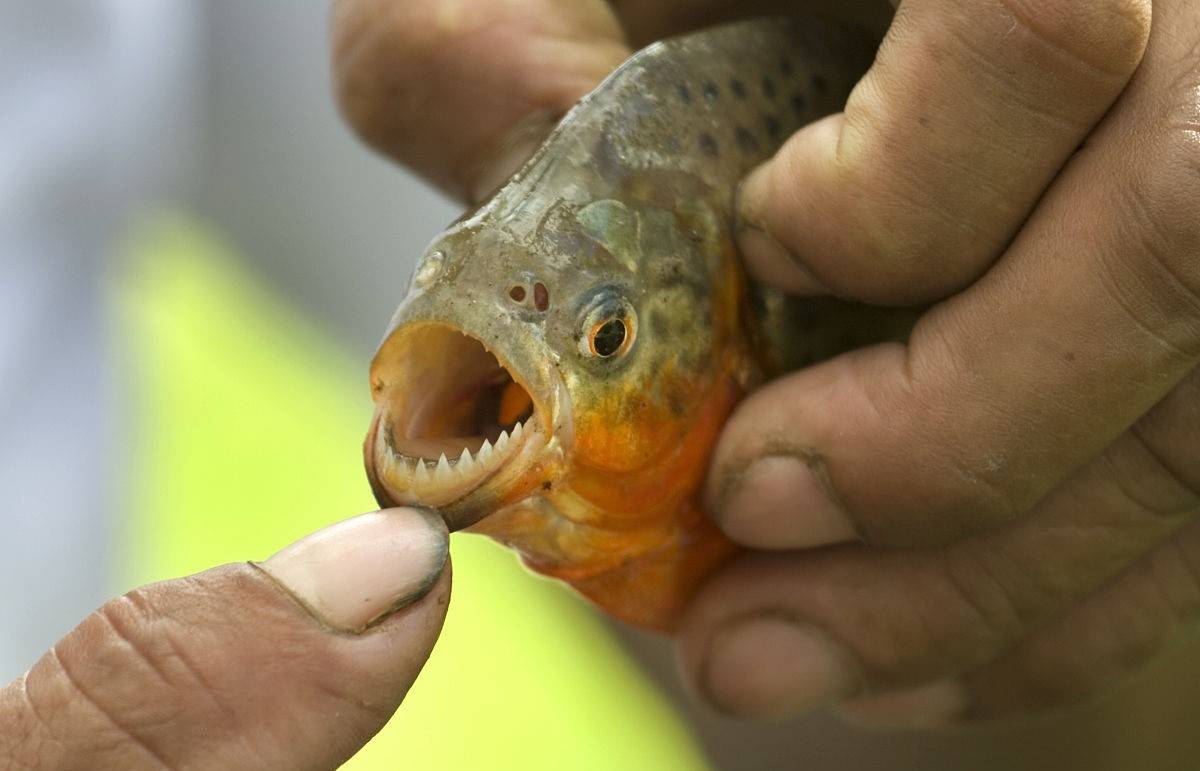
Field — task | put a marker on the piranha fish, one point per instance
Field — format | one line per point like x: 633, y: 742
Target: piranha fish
x: 560, y: 369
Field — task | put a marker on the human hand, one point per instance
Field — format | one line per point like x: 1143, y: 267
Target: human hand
x: 295, y: 662
x: 1016, y: 487
x: 1056, y: 364
x: 463, y: 91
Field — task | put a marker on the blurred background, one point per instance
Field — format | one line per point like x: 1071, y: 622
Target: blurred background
x: 196, y: 262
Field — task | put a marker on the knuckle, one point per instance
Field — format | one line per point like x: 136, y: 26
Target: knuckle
x: 974, y: 487
x: 374, y: 47
x: 908, y: 232
x: 361, y: 96
x: 1105, y: 35
x: 902, y: 236
x: 984, y: 490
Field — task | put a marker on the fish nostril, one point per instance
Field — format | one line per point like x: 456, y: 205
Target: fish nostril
x: 541, y: 297
x: 517, y: 293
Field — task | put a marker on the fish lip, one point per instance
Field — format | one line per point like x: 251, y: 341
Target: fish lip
x: 549, y: 443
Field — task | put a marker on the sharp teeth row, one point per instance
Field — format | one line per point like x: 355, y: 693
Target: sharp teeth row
x: 466, y: 466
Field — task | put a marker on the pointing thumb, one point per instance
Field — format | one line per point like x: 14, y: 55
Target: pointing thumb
x: 292, y: 663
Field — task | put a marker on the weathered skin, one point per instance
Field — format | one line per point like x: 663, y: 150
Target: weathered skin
x: 623, y: 216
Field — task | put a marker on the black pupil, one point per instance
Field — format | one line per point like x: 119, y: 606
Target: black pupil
x: 609, y: 337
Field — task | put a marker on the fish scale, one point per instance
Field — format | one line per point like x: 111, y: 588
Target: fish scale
x: 618, y: 231
x: 718, y: 103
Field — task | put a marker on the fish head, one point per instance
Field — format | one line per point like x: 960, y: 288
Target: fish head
x: 574, y: 350
x: 470, y: 410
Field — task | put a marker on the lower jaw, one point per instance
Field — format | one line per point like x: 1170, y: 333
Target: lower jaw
x: 644, y: 585
x: 505, y: 488
x: 559, y: 535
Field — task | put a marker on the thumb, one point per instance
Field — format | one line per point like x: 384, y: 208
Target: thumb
x: 292, y: 663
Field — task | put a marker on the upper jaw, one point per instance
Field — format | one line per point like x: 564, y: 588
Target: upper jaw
x: 457, y: 426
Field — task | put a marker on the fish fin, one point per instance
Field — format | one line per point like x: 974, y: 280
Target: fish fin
x: 614, y: 226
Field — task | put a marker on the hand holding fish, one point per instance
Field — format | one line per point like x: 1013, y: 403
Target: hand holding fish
x: 1010, y: 493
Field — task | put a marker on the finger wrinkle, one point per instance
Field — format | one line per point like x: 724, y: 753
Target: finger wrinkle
x: 1103, y: 640
x: 926, y: 193
x: 1168, y: 185
x: 1154, y: 294
x: 928, y: 629
x: 1113, y: 53
x: 108, y: 716
x: 1185, y: 493
x: 1061, y: 101
x: 1175, y: 47
x: 377, y: 711
x: 119, y: 630
x: 887, y: 219
x: 989, y: 601
x: 207, y: 687
x: 35, y: 737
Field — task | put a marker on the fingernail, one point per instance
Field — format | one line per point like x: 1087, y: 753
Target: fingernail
x: 771, y: 666
x: 353, y: 574
x: 928, y: 706
x: 781, y: 502
x: 765, y: 258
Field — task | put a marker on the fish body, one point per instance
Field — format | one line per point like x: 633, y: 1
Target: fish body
x: 560, y: 369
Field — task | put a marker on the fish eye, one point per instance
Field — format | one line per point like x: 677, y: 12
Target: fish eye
x: 609, y: 327
x: 608, y: 337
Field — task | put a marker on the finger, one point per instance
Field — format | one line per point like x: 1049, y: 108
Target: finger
x: 242, y: 666
x: 785, y: 632
x: 647, y: 22
x: 944, y: 148
x: 1102, y: 643
x: 1097, y: 645
x: 462, y: 92
x: 1092, y: 316
x: 1115, y: 633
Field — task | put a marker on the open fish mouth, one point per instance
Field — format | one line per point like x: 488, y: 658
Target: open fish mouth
x: 453, y: 422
